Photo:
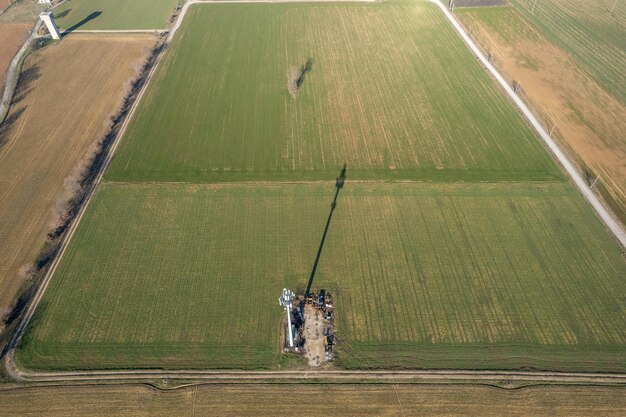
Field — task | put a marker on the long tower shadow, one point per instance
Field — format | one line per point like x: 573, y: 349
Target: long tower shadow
x: 338, y: 185
x: 77, y: 25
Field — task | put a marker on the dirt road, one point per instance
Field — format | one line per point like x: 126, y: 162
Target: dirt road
x: 63, y: 104
x: 607, y: 217
x: 457, y: 376
x: 502, y: 378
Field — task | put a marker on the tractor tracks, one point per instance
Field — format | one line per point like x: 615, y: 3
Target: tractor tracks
x: 603, y: 213
x: 507, y: 379
x: 501, y: 378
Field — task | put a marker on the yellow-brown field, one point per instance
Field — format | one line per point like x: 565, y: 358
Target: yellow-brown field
x: 588, y: 120
x: 344, y: 400
x: 67, y: 94
x: 12, y: 36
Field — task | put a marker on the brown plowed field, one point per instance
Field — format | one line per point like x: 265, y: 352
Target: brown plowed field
x: 66, y: 95
x: 341, y: 400
x: 584, y: 117
x: 13, y: 36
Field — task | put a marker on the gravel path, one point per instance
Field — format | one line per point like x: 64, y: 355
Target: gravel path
x: 504, y: 378
x: 607, y: 218
x: 339, y: 375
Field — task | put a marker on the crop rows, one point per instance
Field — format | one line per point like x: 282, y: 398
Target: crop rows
x: 181, y: 275
x: 384, y: 94
x: 178, y: 264
x: 590, y: 32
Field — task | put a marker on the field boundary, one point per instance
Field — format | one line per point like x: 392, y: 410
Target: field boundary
x: 607, y: 218
x: 115, y: 31
x: 19, y: 330
x: 21, y: 327
x: 13, y: 73
x: 460, y: 375
x: 457, y: 376
x: 15, y: 67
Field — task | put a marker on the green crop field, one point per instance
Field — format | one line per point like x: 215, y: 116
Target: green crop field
x: 490, y: 261
x: 592, y: 32
x: 114, y: 14
x: 424, y: 275
x: 385, y: 94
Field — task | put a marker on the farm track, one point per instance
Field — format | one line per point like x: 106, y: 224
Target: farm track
x: 35, y: 135
x: 460, y: 376
x: 607, y: 218
x: 391, y: 376
x: 116, y: 31
x: 19, y: 331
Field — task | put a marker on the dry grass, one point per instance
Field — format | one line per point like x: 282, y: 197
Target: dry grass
x: 61, y: 108
x: 592, y: 32
x: 13, y: 36
x: 586, y: 118
x: 21, y: 11
x: 352, y: 400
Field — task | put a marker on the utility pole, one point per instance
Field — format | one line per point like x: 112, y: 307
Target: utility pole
x: 613, y: 8
x: 594, y: 183
x: 533, y: 9
x: 338, y: 185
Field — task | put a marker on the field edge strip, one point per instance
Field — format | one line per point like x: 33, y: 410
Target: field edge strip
x: 605, y: 215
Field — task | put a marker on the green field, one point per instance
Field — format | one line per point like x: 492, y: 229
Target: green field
x: 174, y: 267
x: 114, y: 14
x: 384, y: 94
x: 589, y: 32
x: 438, y: 275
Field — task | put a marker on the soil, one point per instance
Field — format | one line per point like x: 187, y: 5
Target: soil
x: 67, y: 93
x: 581, y: 115
x: 364, y: 400
x: 314, y: 336
x: 4, y: 4
x: 13, y: 36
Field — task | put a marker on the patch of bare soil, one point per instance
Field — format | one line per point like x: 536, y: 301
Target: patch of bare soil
x: 66, y: 97
x: 581, y: 115
x: 313, y: 335
x: 12, y: 36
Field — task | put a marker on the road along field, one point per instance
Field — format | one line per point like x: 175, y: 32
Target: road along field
x: 592, y: 32
x: 384, y: 94
x: 115, y: 14
x: 66, y: 95
x: 585, y: 118
x: 22, y: 11
x: 448, y: 276
x: 13, y: 36
x: 467, y: 269
x: 343, y: 400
